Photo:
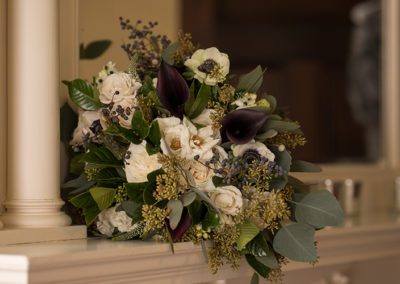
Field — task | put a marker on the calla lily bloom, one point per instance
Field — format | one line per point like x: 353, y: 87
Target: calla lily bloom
x: 172, y: 89
x: 241, y: 126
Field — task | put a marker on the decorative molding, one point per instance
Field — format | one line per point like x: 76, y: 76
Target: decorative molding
x: 104, y: 261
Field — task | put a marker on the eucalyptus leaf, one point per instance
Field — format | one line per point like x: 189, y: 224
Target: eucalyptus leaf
x: 82, y: 94
x: 175, y: 208
x: 251, y: 81
x: 255, y: 279
x: 303, y: 166
x: 188, y: 198
x: 247, y: 232
x: 266, y: 135
x: 296, y: 242
x: 103, y: 196
x: 280, y: 125
x: 319, y: 209
x: 257, y: 266
x: 130, y: 207
x: 168, y: 53
x: 282, y: 158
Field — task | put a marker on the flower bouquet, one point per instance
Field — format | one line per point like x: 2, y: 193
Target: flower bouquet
x: 173, y: 150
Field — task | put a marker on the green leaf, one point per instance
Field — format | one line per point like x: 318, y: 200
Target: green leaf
x: 257, y: 266
x: 303, y: 166
x: 86, y: 202
x: 82, y: 94
x: 103, y: 196
x: 148, y: 197
x: 168, y: 53
x: 139, y: 125
x: 217, y: 181
x: 211, y: 219
x: 203, y: 196
x: 100, y: 157
x: 297, y: 184
x: 269, y: 261
x: 255, y: 279
x: 319, y: 209
x: 176, y: 208
x: 201, y: 101
x: 155, y: 133
x: 196, y: 209
x: 127, y: 134
x: 251, y: 81
x: 258, y: 246
x: 296, y: 242
x: 247, y: 232
x: 188, y: 198
x: 272, y: 101
x: 77, y: 182
x: 94, y: 49
x: 135, y: 190
x: 77, y: 164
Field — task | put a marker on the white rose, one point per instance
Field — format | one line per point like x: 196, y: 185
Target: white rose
x: 138, y: 163
x: 86, y: 119
x: 201, y: 141
x: 122, y: 221
x: 228, y: 199
x: 117, y: 87
x: 209, y: 65
x: 247, y: 100
x: 103, y: 223
x: 260, y: 148
x: 200, y: 176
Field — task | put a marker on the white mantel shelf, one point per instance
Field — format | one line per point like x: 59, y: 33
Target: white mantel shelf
x: 104, y: 261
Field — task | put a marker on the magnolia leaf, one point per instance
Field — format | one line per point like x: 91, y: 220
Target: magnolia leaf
x: 103, y: 196
x: 269, y: 261
x: 90, y: 214
x: 82, y: 200
x: 188, y: 198
x: 303, y: 166
x: 139, y: 125
x: 82, y: 94
x: 257, y: 266
x: 258, y: 246
x: 135, y: 190
x: 251, y: 81
x: 247, y: 232
x: 296, y: 242
x: 319, y: 209
x: 77, y: 182
x: 217, y: 181
x: 127, y: 134
x: 200, y: 103
x: 195, y: 210
x: 155, y: 133
x: 175, y: 208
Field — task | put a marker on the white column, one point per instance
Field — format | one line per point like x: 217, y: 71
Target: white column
x: 3, y: 103
x: 33, y: 198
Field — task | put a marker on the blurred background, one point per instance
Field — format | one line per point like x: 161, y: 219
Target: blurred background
x: 322, y: 58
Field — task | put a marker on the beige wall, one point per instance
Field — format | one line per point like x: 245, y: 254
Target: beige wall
x: 3, y: 102
x: 98, y: 19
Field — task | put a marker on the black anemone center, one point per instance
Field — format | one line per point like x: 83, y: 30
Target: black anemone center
x: 207, y: 66
x: 96, y: 127
x: 251, y: 155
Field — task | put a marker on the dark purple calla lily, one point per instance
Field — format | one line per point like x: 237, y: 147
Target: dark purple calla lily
x: 172, y: 89
x: 183, y: 226
x: 241, y: 125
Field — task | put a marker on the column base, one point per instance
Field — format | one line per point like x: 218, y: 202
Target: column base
x: 34, y: 214
x: 35, y: 235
